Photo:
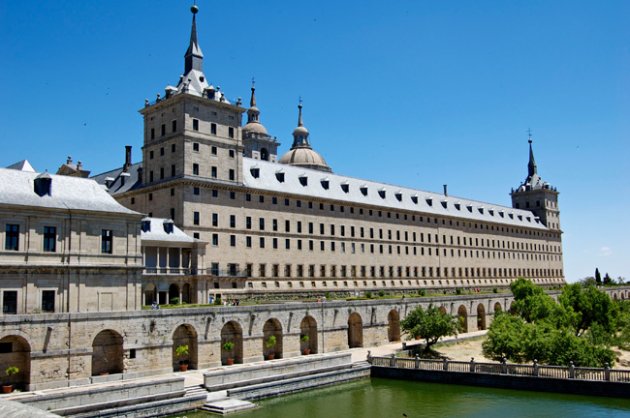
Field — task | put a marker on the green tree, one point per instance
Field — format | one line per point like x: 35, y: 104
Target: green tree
x: 607, y: 280
x: 504, y: 338
x: 430, y: 325
x: 586, y: 306
x: 531, y: 302
x: 598, y: 277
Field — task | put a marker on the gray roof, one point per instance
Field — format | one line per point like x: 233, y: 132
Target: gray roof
x: 157, y: 233
x: 352, y: 190
x: 23, y: 165
x: 17, y: 189
x: 119, y: 184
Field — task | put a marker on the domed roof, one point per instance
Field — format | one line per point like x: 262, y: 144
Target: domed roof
x: 305, y: 157
x: 300, y: 130
x: 255, y: 128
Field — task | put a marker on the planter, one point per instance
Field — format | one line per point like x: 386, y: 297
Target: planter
x: 183, y: 367
x: 7, y: 388
x: 306, y: 351
x: 229, y: 361
x: 271, y: 356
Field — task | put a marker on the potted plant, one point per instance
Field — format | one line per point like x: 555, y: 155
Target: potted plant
x: 10, y: 371
x: 182, y: 352
x: 306, y: 350
x: 228, y: 346
x: 270, y: 344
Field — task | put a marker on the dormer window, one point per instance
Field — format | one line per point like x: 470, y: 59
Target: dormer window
x: 469, y: 207
x: 280, y: 176
x: 325, y: 183
x: 491, y: 212
x: 381, y: 193
x: 529, y: 219
x: 501, y: 213
x: 303, y: 180
x: 398, y: 196
x: 364, y: 190
x: 458, y: 206
x: 145, y: 225
x: 414, y: 199
x: 511, y: 215
x: 429, y: 201
x: 168, y: 226
x: 42, y: 184
x: 444, y: 204
x: 345, y: 187
x: 255, y: 172
x: 480, y: 209
x: 520, y: 217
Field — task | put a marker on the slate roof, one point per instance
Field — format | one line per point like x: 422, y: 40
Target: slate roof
x: 312, y: 183
x: 157, y: 233
x: 74, y: 193
x: 120, y: 184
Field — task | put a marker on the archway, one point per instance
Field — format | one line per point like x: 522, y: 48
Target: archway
x: 185, y: 335
x: 186, y: 293
x: 264, y: 154
x: 232, y: 333
x: 443, y: 309
x: 173, y: 294
x: 393, y: 327
x: 355, y: 330
x: 107, y: 353
x: 308, y: 335
x: 481, y: 317
x: 16, y: 351
x: 512, y: 310
x: 272, y: 339
x: 497, y: 308
x: 462, y: 317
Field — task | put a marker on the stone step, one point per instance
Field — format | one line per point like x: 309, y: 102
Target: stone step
x: 228, y: 406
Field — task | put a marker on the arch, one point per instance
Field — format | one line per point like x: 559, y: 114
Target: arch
x: 16, y: 352
x: 615, y: 296
x: 512, y: 309
x: 393, y: 326
x: 150, y: 294
x: 186, y: 293
x: 481, y: 317
x: 497, y: 308
x: 308, y: 328
x: 107, y: 353
x: 232, y: 332
x: 264, y: 154
x: 173, y: 292
x: 272, y: 328
x: 185, y: 335
x: 355, y: 330
x: 462, y: 318
x: 443, y: 309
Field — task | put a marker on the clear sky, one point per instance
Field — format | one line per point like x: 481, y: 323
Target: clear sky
x: 413, y: 93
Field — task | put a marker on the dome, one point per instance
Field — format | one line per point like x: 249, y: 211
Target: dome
x: 305, y: 157
x: 255, y: 128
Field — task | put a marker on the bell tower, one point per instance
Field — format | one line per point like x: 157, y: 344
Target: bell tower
x: 537, y: 195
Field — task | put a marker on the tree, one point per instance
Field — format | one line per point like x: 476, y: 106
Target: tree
x: 430, y: 325
x: 504, y: 338
x: 531, y: 302
x: 586, y: 306
x: 598, y: 277
x: 607, y: 280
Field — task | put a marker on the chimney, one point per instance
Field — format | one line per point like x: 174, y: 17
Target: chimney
x: 446, y: 190
x: 127, y: 158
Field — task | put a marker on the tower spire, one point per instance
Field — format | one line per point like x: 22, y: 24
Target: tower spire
x: 300, y: 133
x: 194, y: 57
x: 252, y: 101
x: 531, y: 165
x: 300, y: 123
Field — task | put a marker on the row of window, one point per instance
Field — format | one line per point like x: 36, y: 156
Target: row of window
x: 195, y: 127
x: 10, y: 301
x: 323, y: 271
x: 12, y: 239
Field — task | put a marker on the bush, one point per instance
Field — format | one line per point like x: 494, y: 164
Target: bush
x: 422, y: 292
x: 368, y: 294
x: 174, y: 301
x: 381, y: 293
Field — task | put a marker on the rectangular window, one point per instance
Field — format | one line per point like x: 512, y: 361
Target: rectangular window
x: 161, y: 173
x: 248, y: 242
x: 287, y: 244
x: 213, y: 150
x: 232, y: 174
x: 215, y: 219
x: 215, y: 239
x: 248, y: 222
x: 196, y: 146
x: 213, y: 128
x: 232, y: 240
x: 231, y: 153
x: 9, y: 302
x: 107, y: 241
x: 48, y: 301
x: 195, y: 124
x: 232, y: 221
x: 196, y: 191
x: 162, y: 151
x: 231, y: 132
x: 274, y: 243
x: 213, y: 172
x: 174, y: 126
x: 261, y: 224
x: 196, y: 218
x: 152, y: 133
x: 163, y: 129
x: 173, y: 170
x: 195, y: 169
x: 12, y: 237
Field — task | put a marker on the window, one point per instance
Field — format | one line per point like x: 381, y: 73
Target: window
x: 50, y: 239
x: 48, y: 301
x: 162, y: 151
x: 151, y: 176
x: 196, y: 146
x: 213, y: 150
x: 196, y: 191
x: 231, y: 135
x: 196, y: 218
x: 215, y: 219
x: 213, y: 128
x: 215, y: 239
x: 163, y: 131
x: 248, y: 222
x: 173, y: 170
x: 261, y: 242
x: 215, y: 193
x: 12, y: 238
x: 195, y: 125
x: 152, y: 133
x: 232, y: 240
x: 248, y: 242
x: 261, y: 224
x: 161, y: 173
x: 232, y: 174
x: 231, y: 153
x: 9, y: 302
x: 196, y: 169
x: 213, y: 173
x: 107, y: 238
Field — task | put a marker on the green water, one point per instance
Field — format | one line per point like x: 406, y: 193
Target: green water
x: 383, y: 398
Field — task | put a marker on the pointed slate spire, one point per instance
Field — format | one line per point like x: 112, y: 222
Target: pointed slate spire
x: 252, y: 100
x: 300, y: 123
x: 300, y: 134
x: 531, y: 165
x: 194, y: 57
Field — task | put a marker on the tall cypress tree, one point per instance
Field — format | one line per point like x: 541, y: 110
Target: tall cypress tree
x: 598, y: 277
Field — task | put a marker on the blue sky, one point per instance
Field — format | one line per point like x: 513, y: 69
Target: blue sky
x: 413, y: 93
